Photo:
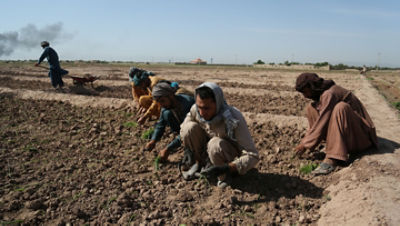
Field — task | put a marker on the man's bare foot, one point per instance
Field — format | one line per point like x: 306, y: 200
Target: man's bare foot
x: 164, y: 153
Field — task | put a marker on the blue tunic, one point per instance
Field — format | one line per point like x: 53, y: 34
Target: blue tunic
x: 173, y: 119
x: 52, y: 57
x: 56, y: 72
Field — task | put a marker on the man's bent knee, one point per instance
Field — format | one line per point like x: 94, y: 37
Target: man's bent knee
x: 189, y: 128
x: 145, y: 101
x: 167, y: 114
x: 215, y: 146
x: 341, y: 107
x: 219, y: 151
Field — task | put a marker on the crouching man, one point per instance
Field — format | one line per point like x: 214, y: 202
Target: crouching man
x: 217, y: 131
x: 336, y: 116
x: 142, y: 82
x: 174, y: 108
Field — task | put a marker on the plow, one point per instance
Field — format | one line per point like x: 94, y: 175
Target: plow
x: 80, y: 81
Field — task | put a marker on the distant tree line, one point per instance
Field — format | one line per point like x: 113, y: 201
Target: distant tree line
x: 339, y: 66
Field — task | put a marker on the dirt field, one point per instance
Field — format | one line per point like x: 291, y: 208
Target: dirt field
x: 388, y: 84
x: 77, y: 157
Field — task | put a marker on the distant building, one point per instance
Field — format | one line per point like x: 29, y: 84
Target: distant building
x: 198, y: 61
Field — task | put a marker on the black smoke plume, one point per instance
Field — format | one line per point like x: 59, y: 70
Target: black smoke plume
x: 30, y: 37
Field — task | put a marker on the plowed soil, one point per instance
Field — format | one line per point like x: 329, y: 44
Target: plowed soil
x: 63, y: 163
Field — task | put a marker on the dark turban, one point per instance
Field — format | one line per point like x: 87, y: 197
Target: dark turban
x: 44, y: 44
x: 312, y: 81
x: 137, y: 75
x: 163, y: 88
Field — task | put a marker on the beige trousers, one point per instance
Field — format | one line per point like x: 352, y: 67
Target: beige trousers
x: 220, y: 151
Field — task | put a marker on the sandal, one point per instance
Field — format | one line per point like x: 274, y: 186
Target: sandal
x: 191, y: 173
x: 323, y: 169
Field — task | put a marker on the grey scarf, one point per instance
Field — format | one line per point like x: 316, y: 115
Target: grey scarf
x: 223, y: 111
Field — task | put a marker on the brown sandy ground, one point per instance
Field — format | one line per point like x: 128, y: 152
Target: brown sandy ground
x: 71, y: 164
x: 291, y: 104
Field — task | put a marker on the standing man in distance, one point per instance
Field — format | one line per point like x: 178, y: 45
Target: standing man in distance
x: 55, y: 72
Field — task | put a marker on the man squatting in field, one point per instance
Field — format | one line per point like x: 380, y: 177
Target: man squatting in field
x: 213, y: 127
x: 336, y: 116
x: 55, y: 72
x: 174, y: 108
x: 142, y: 83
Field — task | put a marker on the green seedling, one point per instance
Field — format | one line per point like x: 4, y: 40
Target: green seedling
x: 30, y: 147
x: 107, y: 205
x: 132, y: 218
x: 242, y: 213
x: 203, y: 179
x: 189, y: 211
x: 249, y: 215
x: 146, y: 135
x: 10, y: 141
x: 45, y: 141
x: 20, y: 189
x: 156, y: 163
x: 130, y: 124
x: 308, y: 168
x: 76, y: 196
x: 14, y: 222
x: 128, y: 115
x: 327, y: 197
x: 396, y: 105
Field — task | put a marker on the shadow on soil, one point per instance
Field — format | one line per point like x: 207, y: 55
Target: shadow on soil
x: 384, y: 146
x: 89, y: 90
x: 82, y: 90
x: 271, y: 187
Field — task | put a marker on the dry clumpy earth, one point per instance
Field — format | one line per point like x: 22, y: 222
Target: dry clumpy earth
x: 77, y: 157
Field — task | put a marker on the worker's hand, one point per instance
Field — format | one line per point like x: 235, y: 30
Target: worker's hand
x: 142, y: 110
x: 300, y: 149
x: 142, y: 119
x: 232, y: 168
x: 215, y: 171
x: 37, y: 64
x: 150, y: 145
x: 164, y: 153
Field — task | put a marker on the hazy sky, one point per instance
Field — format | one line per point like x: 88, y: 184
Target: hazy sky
x: 341, y: 31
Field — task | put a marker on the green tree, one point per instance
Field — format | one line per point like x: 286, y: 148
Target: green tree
x: 339, y: 67
x: 321, y: 64
x: 259, y: 62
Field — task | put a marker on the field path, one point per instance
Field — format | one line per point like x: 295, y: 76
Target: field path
x: 368, y: 192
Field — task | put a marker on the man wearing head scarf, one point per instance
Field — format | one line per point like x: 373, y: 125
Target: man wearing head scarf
x: 336, y: 116
x: 174, y: 108
x: 217, y: 131
x: 55, y: 72
x: 142, y: 82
